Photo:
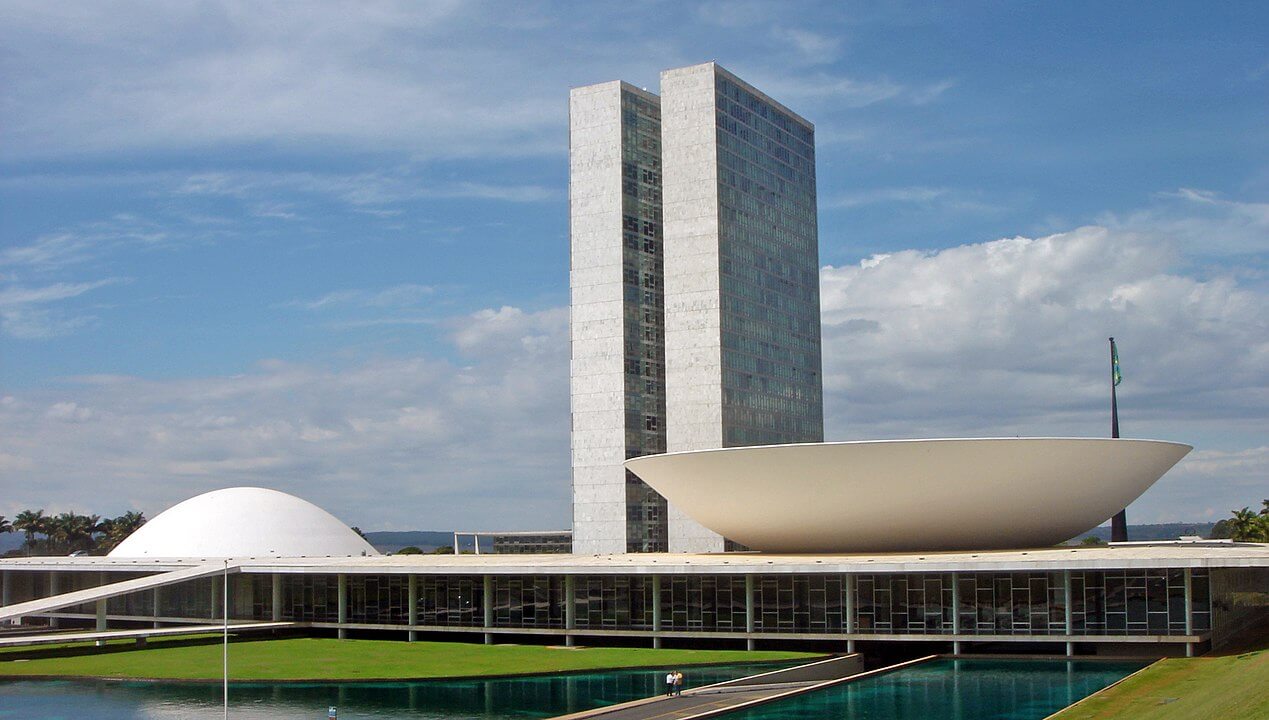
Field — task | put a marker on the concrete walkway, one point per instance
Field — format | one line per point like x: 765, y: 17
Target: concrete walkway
x: 104, y: 592
x: 140, y: 635
x: 711, y: 700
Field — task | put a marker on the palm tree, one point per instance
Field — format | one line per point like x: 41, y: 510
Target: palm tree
x: 1246, y: 526
x: 5, y: 525
x: 31, y: 522
x: 116, y: 530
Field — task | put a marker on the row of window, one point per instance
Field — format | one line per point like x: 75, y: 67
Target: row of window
x: 1113, y: 602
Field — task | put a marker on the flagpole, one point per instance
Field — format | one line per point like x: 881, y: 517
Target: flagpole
x: 1118, y: 523
x: 224, y: 656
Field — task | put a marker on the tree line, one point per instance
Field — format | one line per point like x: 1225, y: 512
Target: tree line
x: 70, y: 532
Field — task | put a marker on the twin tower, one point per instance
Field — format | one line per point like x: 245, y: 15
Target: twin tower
x: 695, y: 305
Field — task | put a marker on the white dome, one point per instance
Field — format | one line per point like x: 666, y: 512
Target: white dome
x: 244, y: 522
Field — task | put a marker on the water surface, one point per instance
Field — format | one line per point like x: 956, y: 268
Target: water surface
x: 495, y: 699
x: 954, y: 690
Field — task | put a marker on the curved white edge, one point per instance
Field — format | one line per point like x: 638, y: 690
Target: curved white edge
x: 243, y: 522
x: 909, y: 494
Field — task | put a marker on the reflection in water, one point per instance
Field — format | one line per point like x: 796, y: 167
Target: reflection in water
x: 507, y: 698
x: 955, y: 689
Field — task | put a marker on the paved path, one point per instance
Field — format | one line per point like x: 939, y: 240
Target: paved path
x: 138, y: 634
x: 711, y: 700
x: 103, y: 592
x: 693, y: 702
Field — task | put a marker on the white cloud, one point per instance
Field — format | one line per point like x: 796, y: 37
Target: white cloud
x: 406, y: 443
x: 22, y: 314
x: 396, y: 296
x: 1202, y: 222
x: 1009, y: 338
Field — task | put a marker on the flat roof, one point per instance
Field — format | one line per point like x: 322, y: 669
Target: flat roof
x: 1161, y: 556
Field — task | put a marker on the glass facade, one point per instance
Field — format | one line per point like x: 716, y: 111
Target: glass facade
x: 643, y: 314
x: 769, y: 261
x: 1031, y: 604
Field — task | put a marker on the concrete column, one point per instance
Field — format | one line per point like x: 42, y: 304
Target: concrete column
x: 488, y: 608
x: 6, y: 591
x: 570, y: 609
x: 956, y: 647
x: 275, y: 597
x: 956, y: 605
x: 656, y: 611
x: 156, y: 605
x: 216, y: 596
x: 53, y: 577
x: 1189, y: 613
x: 412, y: 607
x: 343, y: 605
x: 850, y: 612
x: 1066, y: 600
x: 101, y: 621
x: 749, y: 641
x: 100, y: 625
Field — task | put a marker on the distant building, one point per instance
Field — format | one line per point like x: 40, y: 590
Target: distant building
x: 533, y: 543
x: 695, y: 291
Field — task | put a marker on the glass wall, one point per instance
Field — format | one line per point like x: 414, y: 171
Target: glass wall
x: 1104, y: 602
x: 613, y: 602
x: 455, y: 600
x: 703, y: 602
x: 528, y: 601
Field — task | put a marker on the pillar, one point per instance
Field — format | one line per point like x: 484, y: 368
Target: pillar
x: 53, y: 577
x: 6, y: 592
x: 570, y: 609
x: 850, y: 612
x: 100, y: 625
x: 343, y: 605
x: 1189, y: 613
x: 956, y: 607
x: 749, y: 642
x: 156, y: 605
x: 101, y: 620
x: 275, y: 597
x: 1066, y: 613
x: 412, y: 607
x: 656, y: 611
x: 488, y: 607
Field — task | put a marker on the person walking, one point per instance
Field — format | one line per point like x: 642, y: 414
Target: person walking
x: 678, y: 683
x: 669, y: 683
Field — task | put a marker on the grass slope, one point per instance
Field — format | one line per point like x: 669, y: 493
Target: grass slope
x: 1235, y: 687
x: 326, y: 659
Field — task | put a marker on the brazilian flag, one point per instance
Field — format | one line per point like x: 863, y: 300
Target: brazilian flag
x: 1115, y: 375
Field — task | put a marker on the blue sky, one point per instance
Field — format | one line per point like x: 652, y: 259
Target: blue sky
x: 323, y: 247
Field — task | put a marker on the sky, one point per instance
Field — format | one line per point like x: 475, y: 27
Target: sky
x: 323, y: 247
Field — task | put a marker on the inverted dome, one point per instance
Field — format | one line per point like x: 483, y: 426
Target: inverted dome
x: 244, y: 522
x: 902, y: 495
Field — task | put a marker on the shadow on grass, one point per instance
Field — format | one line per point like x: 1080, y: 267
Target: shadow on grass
x: 122, y: 646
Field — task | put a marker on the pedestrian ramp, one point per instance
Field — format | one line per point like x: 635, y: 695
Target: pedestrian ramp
x: 710, y: 700
x: 140, y: 635
x: 104, y: 592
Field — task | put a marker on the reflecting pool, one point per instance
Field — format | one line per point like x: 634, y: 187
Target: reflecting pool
x: 510, y: 698
x: 955, y: 690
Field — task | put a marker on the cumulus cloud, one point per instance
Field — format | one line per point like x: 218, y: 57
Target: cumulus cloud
x: 998, y: 338
x: 1009, y: 338
x: 413, y: 442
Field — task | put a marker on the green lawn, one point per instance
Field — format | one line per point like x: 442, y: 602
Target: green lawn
x: 1234, y: 687
x: 326, y: 659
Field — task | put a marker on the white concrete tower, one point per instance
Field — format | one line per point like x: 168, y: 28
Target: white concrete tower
x: 742, y: 311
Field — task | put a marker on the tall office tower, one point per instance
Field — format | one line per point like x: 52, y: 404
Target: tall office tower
x: 720, y: 345
x: 617, y: 362
x: 742, y: 305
